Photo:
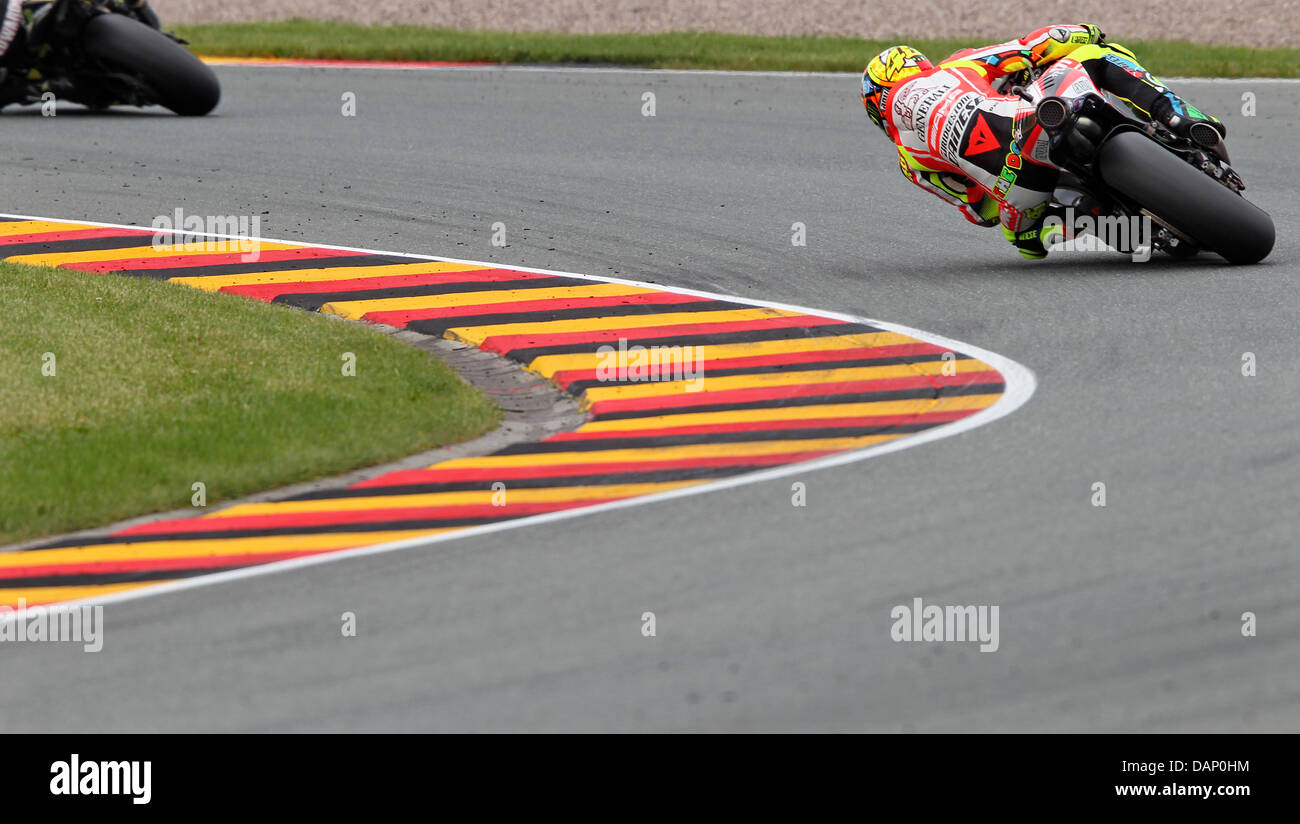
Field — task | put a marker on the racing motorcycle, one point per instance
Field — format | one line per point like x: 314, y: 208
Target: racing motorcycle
x: 1118, y: 164
x: 102, y: 53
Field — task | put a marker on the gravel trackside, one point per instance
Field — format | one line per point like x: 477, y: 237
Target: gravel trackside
x: 1226, y: 22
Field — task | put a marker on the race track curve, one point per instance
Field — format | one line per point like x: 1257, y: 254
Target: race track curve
x: 769, y: 617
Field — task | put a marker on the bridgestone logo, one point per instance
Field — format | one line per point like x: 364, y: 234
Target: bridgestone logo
x: 955, y: 128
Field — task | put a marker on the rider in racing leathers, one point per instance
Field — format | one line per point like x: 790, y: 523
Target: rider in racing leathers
x: 13, y: 36
x: 11, y: 22
x: 14, y: 24
x: 959, y: 137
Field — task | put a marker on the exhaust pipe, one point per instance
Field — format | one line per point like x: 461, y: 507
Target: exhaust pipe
x: 1208, y: 137
x: 1052, y: 114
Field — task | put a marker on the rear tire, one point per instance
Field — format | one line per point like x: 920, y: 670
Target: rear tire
x: 182, y: 81
x: 1215, y: 217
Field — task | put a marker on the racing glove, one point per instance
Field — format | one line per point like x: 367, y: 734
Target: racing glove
x: 1095, y: 35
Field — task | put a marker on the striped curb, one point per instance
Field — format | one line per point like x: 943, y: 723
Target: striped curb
x: 340, y: 63
x: 780, y: 389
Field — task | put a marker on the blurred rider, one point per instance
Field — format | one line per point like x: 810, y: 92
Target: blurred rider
x: 11, y: 23
x: 15, y: 21
x: 961, y: 137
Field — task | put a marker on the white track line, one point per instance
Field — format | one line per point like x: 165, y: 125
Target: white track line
x: 1020, y: 386
x: 385, y: 66
x: 515, y: 67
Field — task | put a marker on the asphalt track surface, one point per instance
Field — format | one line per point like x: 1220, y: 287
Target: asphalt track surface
x: 769, y: 617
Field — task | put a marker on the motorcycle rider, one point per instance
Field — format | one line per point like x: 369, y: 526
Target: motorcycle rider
x: 15, y: 22
x: 961, y: 138
x: 11, y: 23
x: 13, y: 45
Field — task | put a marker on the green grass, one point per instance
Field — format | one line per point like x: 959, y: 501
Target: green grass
x: 678, y: 50
x: 157, y: 386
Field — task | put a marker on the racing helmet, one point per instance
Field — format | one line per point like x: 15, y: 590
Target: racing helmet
x: 891, y: 66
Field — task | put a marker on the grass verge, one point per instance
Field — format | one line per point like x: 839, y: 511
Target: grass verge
x: 156, y: 387
x: 677, y: 50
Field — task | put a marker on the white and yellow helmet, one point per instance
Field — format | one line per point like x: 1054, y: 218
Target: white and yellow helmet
x: 887, y: 69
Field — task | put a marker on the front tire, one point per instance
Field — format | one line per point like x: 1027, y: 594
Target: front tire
x: 182, y: 82
x: 1215, y: 217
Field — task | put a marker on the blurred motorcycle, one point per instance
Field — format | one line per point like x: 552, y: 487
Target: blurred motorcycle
x: 102, y: 53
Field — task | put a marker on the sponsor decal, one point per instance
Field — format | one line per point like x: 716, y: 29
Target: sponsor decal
x: 1040, y: 148
x: 1079, y: 88
x: 981, y: 138
x: 927, y: 102
x: 905, y: 106
x: 922, y: 115
x: 935, y: 123
x: 1005, y: 181
x: 955, y: 126
x: 1127, y: 65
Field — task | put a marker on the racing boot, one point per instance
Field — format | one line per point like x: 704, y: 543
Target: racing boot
x: 1185, y: 120
x: 1047, y: 229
